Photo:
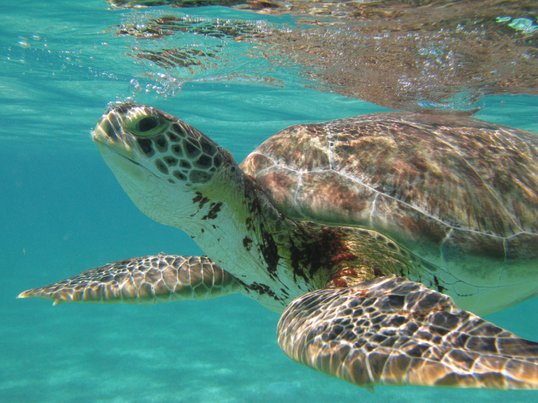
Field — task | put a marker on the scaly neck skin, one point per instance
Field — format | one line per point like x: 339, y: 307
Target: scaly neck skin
x: 239, y: 228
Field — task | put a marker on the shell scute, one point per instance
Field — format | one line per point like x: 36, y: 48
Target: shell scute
x: 348, y: 202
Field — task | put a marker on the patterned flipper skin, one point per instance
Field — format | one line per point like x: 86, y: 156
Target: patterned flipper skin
x: 394, y: 331
x: 143, y: 279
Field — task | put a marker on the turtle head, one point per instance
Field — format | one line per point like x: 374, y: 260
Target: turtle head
x: 160, y: 161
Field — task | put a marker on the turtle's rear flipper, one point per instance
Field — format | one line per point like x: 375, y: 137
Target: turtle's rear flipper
x: 143, y: 279
x: 395, y: 331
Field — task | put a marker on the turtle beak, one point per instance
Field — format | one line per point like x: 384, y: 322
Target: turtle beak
x: 103, y: 133
x: 110, y: 131
x: 113, y: 140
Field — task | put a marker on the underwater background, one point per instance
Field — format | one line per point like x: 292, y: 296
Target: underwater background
x: 62, y: 212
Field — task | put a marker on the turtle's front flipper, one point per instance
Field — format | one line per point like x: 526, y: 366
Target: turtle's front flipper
x: 143, y: 279
x: 395, y: 331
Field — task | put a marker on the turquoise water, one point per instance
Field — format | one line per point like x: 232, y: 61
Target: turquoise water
x: 62, y: 212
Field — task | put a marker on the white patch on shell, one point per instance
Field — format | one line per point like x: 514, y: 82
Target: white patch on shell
x: 298, y: 189
x: 443, y: 242
x: 372, y: 211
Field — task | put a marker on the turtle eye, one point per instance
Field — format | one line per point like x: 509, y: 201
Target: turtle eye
x: 147, y: 126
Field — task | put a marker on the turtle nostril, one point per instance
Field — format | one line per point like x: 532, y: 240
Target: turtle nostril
x: 147, y: 124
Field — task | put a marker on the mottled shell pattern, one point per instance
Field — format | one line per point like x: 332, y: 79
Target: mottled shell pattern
x: 443, y: 185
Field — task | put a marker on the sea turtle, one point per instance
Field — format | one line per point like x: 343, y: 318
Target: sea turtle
x: 357, y: 229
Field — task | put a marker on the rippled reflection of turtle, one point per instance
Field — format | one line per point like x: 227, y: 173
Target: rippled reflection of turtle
x: 356, y: 229
x: 401, y: 54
